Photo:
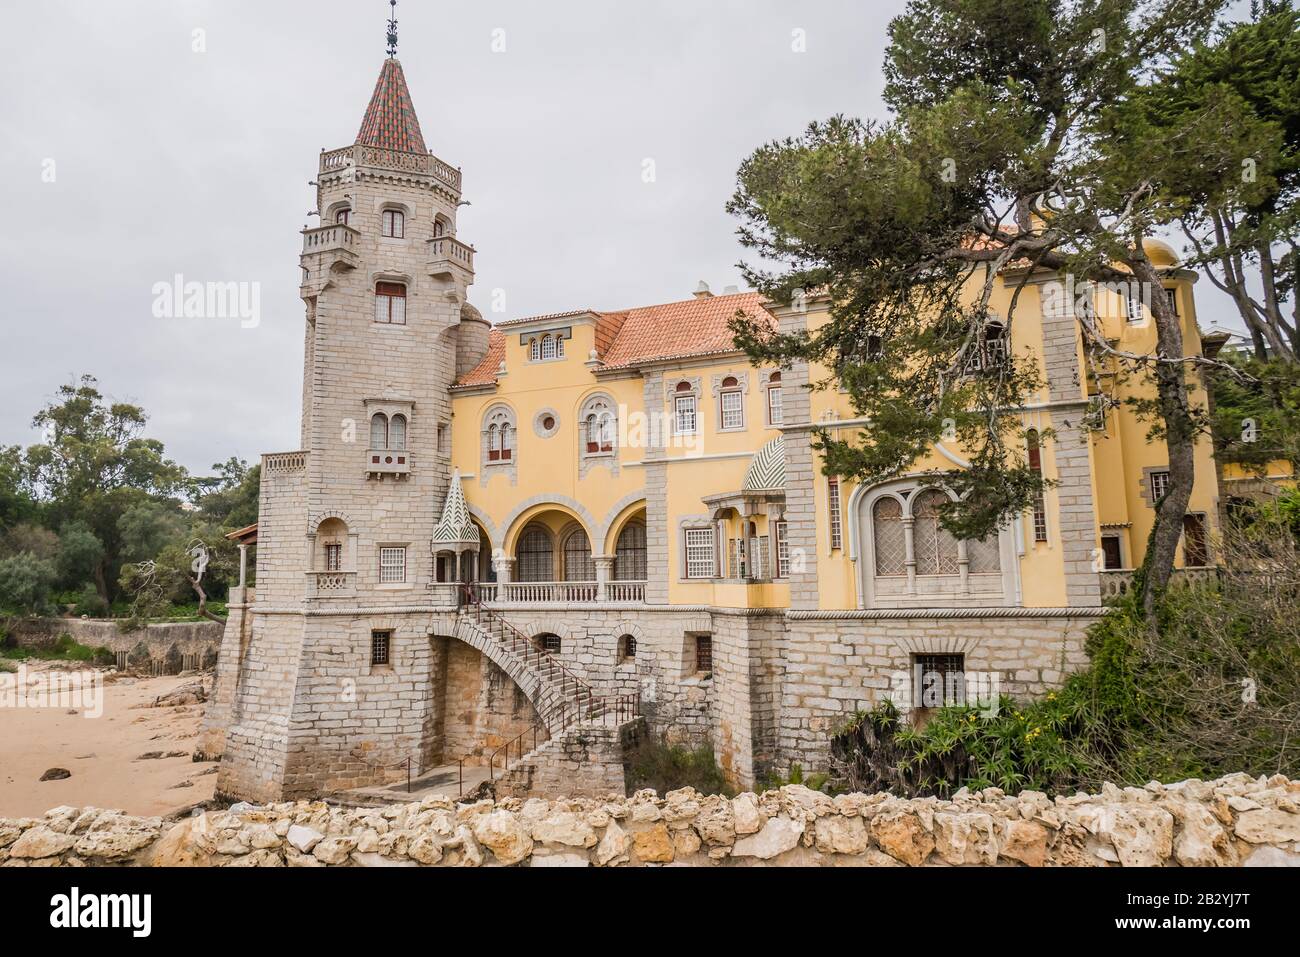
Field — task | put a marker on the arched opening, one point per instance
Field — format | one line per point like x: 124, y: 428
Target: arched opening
x: 549, y: 642
x: 578, y: 563
x: 626, y: 649
x: 535, y: 556
x: 630, y: 552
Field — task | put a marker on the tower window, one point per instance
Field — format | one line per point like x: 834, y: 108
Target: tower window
x: 393, y: 224
x: 379, y: 431
x: 342, y: 216
x: 397, y: 433
x: 1036, y: 466
x: 390, y: 303
x: 333, y: 556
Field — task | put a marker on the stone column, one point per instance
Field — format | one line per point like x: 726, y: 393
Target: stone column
x: 604, y: 567
x: 800, y: 474
x: 657, y: 533
x: 1071, y: 449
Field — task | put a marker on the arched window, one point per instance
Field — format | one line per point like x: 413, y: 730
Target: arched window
x: 731, y: 404
x: 342, y: 216
x: 578, y: 564
x: 379, y: 431
x: 775, y: 400
x: 390, y: 303
x: 439, y: 229
x: 629, y: 553
x: 549, y: 643
x: 534, y: 556
x: 684, y: 409
x: 935, y: 546
x: 397, y: 433
x: 499, y: 435
x: 599, y: 425
x: 891, y: 543
x: 534, y: 348
x: 1035, y: 455
x: 626, y: 648
x: 393, y: 224
x: 548, y: 346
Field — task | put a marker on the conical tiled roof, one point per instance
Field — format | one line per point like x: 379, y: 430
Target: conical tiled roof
x: 390, y: 121
x: 767, y: 470
x: 455, y: 527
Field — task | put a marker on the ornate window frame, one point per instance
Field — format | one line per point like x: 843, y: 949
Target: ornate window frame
x: 606, y: 451
x: 497, y: 417
x: 728, y: 384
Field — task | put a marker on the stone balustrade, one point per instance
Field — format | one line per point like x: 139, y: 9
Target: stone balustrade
x: 354, y: 157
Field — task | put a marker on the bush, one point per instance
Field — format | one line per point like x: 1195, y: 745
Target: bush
x: 654, y: 763
x: 1209, y: 687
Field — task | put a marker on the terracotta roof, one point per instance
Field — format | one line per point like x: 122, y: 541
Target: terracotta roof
x: 245, y: 536
x: 630, y: 337
x: 390, y: 121
x: 485, y: 373
x: 679, y: 330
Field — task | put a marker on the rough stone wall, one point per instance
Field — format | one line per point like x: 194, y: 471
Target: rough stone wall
x: 835, y: 666
x: 483, y: 708
x: 165, y: 642
x: 234, y: 646
x: 585, y: 762
x: 1234, y: 821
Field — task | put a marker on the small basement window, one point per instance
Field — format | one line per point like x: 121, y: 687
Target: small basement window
x: 380, y: 647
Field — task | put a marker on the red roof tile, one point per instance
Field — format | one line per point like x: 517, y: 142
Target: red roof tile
x: 679, y: 330
x: 630, y: 337
x: 390, y: 121
x: 485, y: 373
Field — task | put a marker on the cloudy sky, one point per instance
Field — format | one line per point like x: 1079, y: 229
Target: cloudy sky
x: 166, y: 159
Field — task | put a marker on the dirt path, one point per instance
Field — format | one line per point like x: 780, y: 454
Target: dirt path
x: 104, y: 753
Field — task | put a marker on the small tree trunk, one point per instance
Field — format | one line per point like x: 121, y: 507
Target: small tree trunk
x: 203, y: 602
x: 1180, y: 439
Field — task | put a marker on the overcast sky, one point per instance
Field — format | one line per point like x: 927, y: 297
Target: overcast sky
x: 166, y: 160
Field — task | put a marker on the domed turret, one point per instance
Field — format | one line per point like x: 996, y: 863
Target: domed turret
x: 471, y: 339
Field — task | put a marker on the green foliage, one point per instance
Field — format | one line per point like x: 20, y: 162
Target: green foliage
x: 654, y: 763
x: 1257, y: 412
x: 1006, y: 146
x: 26, y: 583
x: 79, y: 553
x: 1209, y: 688
x: 63, y: 648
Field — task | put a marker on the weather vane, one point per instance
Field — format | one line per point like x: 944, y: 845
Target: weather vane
x: 392, y: 29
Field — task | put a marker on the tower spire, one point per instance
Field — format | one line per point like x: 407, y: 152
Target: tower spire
x: 392, y: 29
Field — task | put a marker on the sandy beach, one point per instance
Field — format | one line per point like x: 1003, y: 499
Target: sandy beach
x: 106, y: 754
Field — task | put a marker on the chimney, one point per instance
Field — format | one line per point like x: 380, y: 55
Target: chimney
x: 702, y: 291
x: 731, y: 291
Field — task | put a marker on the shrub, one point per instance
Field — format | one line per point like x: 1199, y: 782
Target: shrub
x: 1207, y: 688
x: 654, y: 763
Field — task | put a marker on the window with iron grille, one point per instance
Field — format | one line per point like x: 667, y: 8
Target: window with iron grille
x: 626, y: 648
x: 934, y: 546
x: 392, y: 565
x: 782, y: 550
x: 890, y: 537
x: 703, y: 654
x: 938, y: 680
x: 630, y: 553
x: 700, y: 560
x: 390, y: 303
x: 535, y: 556
x: 1036, y: 466
x: 1159, y: 486
x: 549, y: 643
x: 833, y: 505
x: 333, y: 556
x: 380, y: 642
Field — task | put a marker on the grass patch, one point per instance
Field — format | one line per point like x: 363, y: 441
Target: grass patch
x: 64, y: 648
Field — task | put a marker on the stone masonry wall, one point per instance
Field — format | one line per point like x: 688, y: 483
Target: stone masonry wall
x: 835, y: 666
x: 166, y: 643
x: 1234, y: 821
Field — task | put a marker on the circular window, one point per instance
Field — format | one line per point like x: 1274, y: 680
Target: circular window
x: 547, y: 423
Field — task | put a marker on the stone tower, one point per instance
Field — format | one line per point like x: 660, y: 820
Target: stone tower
x: 318, y: 685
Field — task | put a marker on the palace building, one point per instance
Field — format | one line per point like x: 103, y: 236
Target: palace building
x: 514, y: 544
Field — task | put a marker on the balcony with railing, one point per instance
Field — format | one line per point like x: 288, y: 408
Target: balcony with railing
x: 559, y: 593
x: 374, y: 157
x: 337, y: 243
x: 332, y: 584
x: 449, y: 256
x: 1116, y: 582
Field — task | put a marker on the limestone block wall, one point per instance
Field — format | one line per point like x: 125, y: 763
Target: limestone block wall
x: 584, y: 762
x: 1234, y: 821
x: 484, y: 710
x: 838, y: 663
